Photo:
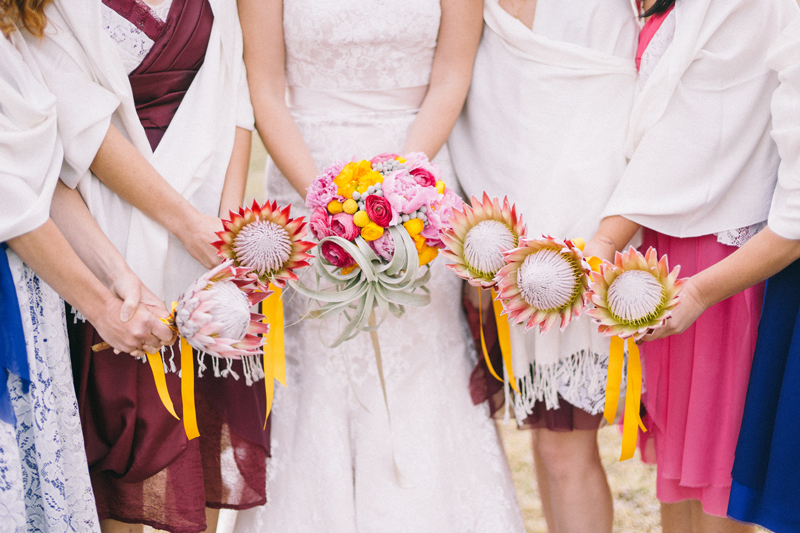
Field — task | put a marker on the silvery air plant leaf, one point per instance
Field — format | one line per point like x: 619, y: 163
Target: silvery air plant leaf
x: 265, y: 240
x: 544, y: 282
x: 214, y: 317
x: 479, y: 236
x: 378, y: 222
x: 634, y: 294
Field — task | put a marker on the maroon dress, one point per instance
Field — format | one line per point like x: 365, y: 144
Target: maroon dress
x: 143, y: 468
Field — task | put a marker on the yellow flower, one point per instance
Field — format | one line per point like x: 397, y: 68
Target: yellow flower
x: 414, y: 226
x: 361, y: 219
x: 371, y: 232
x: 427, y: 254
x: 356, y: 177
x: 440, y: 187
x: 350, y: 206
x: 335, y: 207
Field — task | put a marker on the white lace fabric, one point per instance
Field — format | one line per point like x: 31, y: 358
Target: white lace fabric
x: 133, y: 44
x: 330, y: 423
x: 44, y: 477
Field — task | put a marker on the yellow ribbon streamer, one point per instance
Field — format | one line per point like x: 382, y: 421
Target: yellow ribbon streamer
x: 274, y: 350
x: 157, y: 366
x: 187, y: 390
x: 483, y: 341
x: 504, y: 338
x: 633, y: 421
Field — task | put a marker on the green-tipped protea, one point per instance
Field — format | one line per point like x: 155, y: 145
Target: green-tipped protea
x: 544, y: 282
x: 478, y: 237
x: 213, y: 315
x: 634, y: 294
x: 266, y: 241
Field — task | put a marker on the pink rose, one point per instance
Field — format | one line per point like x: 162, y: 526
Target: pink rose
x: 439, y: 213
x: 320, y: 223
x: 418, y: 160
x: 342, y: 225
x: 379, y: 210
x: 383, y: 157
x: 322, y: 190
x: 336, y: 255
x: 383, y: 246
x: 404, y: 194
x: 423, y: 176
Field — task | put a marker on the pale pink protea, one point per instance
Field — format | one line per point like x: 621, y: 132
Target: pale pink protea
x: 544, y: 281
x: 634, y: 294
x: 213, y: 315
x: 266, y: 241
x: 478, y: 236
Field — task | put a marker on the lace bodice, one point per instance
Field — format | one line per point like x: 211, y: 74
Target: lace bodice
x: 133, y: 44
x: 339, y: 45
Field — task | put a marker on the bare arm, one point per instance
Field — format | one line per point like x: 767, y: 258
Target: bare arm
x: 459, y: 35
x: 264, y: 57
x: 762, y: 256
x: 47, y: 252
x: 236, y: 176
x: 120, y: 166
x: 612, y: 235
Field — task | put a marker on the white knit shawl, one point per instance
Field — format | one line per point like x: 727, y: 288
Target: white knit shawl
x: 701, y: 157
x: 30, y: 152
x: 83, y: 68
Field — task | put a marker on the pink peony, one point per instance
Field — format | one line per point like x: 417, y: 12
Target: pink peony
x: 419, y: 161
x: 322, y: 190
x: 439, y: 212
x: 404, y: 194
x: 383, y: 246
x: 379, y: 210
x: 342, y: 225
x: 383, y: 157
x: 320, y: 223
x: 336, y: 255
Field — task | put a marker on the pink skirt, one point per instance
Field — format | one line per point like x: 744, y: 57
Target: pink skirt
x: 696, y: 384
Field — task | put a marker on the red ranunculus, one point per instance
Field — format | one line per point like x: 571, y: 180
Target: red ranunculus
x: 342, y: 225
x: 379, y: 210
x: 336, y: 255
x: 423, y: 177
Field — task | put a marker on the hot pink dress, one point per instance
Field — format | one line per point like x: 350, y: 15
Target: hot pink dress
x: 696, y: 382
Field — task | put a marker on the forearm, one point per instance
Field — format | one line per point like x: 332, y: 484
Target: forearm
x: 236, y: 176
x: 76, y: 223
x: 762, y: 256
x: 47, y: 252
x: 436, y: 118
x: 284, y: 142
x: 120, y: 166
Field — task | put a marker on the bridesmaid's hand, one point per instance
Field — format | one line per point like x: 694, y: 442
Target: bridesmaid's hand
x: 143, y: 332
x: 197, y: 232
x: 129, y: 288
x: 599, y: 248
x: 684, y: 315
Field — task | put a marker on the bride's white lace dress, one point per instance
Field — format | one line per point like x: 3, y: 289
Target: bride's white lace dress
x: 357, y: 72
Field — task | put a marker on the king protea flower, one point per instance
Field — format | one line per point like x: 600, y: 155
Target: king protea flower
x: 478, y: 237
x: 544, y: 281
x: 266, y: 241
x: 213, y: 315
x: 634, y: 294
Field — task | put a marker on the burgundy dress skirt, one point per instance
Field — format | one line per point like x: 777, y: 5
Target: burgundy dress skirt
x: 483, y: 386
x: 143, y: 468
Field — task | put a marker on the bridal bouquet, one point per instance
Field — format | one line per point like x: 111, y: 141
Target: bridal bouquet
x: 377, y: 223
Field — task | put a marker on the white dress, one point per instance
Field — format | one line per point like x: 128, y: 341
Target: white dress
x: 44, y: 478
x: 357, y: 72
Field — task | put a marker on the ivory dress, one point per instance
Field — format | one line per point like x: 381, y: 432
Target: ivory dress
x: 357, y: 73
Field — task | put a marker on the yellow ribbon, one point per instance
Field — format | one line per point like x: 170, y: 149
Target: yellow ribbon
x: 187, y: 390
x: 274, y: 350
x: 504, y: 338
x: 157, y: 366
x: 483, y: 341
x: 633, y: 395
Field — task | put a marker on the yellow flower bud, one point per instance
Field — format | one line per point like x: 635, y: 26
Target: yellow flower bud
x: 580, y: 243
x: 335, y: 207
x: 440, y: 187
x: 427, y: 254
x: 371, y: 232
x: 400, y: 159
x: 350, y: 206
x: 361, y: 219
x: 414, y: 226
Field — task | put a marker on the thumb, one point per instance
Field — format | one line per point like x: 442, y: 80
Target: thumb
x: 130, y: 304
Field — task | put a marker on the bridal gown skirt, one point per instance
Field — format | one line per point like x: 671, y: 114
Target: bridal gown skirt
x: 332, y: 444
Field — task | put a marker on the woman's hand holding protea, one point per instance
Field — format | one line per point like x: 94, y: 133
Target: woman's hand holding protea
x: 264, y: 240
